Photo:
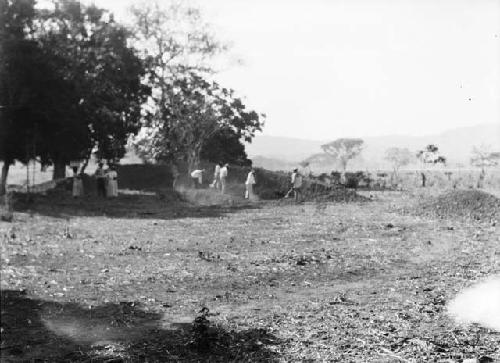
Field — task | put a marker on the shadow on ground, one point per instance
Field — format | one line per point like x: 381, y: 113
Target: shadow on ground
x: 37, y: 330
x: 131, y: 204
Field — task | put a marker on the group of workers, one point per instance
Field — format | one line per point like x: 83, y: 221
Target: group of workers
x: 106, y: 179
x: 220, y: 181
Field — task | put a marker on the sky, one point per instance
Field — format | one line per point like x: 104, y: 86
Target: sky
x: 322, y: 69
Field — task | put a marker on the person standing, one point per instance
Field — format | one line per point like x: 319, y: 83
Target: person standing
x: 249, y: 185
x: 100, y: 175
x: 223, y: 178
x: 77, y: 183
x: 112, y: 186
x: 197, y: 177
x: 216, y: 182
x: 297, y: 185
x: 296, y: 181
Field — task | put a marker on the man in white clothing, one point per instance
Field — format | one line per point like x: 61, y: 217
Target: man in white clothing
x: 249, y: 185
x: 296, y: 181
x: 197, y: 177
x: 216, y: 182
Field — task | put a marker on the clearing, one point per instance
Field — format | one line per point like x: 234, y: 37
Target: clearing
x: 126, y: 280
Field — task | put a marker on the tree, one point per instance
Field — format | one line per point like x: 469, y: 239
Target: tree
x: 483, y: 157
x: 106, y: 74
x: 22, y: 69
x: 69, y: 84
x: 174, y: 40
x: 428, y: 156
x: 398, y: 157
x: 175, y: 45
x: 225, y: 146
x: 343, y: 150
x: 195, y: 111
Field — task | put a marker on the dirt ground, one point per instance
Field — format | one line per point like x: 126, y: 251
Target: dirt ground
x: 148, y: 279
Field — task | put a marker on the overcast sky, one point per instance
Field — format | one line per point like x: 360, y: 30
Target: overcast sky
x: 322, y: 69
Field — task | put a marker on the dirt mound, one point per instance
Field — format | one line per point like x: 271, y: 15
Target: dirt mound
x: 339, y: 195
x: 275, y: 185
x: 470, y: 204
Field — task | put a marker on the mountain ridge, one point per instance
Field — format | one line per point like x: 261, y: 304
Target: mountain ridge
x: 455, y: 144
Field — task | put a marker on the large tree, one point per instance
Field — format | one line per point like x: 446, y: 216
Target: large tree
x: 343, y: 150
x: 173, y: 42
x: 69, y: 84
x: 27, y: 79
x: 430, y: 155
x: 105, y: 72
x: 186, y: 110
x: 483, y: 157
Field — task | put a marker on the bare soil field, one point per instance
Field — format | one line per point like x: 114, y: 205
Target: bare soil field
x: 145, y: 278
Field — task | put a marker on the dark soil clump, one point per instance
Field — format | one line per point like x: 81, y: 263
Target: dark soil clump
x: 467, y: 204
x: 339, y: 195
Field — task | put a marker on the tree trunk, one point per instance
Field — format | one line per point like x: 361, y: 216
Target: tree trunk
x: 424, y: 178
x: 174, y: 170
x: 59, y: 170
x: 343, y: 179
x: 193, y: 160
x: 3, y: 182
x: 394, y: 176
x: 480, y: 181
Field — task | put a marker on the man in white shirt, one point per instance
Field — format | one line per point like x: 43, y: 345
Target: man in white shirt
x: 296, y: 181
x: 223, y: 177
x: 249, y: 185
x: 197, y: 177
x: 216, y: 182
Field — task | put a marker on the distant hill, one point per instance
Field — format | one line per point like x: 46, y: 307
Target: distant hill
x: 272, y: 164
x: 455, y: 144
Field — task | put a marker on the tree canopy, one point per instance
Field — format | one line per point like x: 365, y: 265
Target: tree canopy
x: 483, y: 157
x: 343, y: 150
x: 69, y: 84
x: 195, y: 111
x: 430, y: 155
x: 225, y: 146
x: 398, y: 157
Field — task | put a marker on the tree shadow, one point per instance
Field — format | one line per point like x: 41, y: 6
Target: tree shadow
x: 164, y: 204
x: 38, y: 330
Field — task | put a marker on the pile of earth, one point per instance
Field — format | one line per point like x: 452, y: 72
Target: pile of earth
x: 276, y: 184
x: 338, y: 195
x: 468, y: 204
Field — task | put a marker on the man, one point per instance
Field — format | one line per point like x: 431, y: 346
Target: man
x: 216, y: 182
x: 77, y: 183
x: 250, y: 182
x: 100, y: 175
x: 223, y: 178
x: 197, y: 177
x: 296, y: 181
x: 112, y: 185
